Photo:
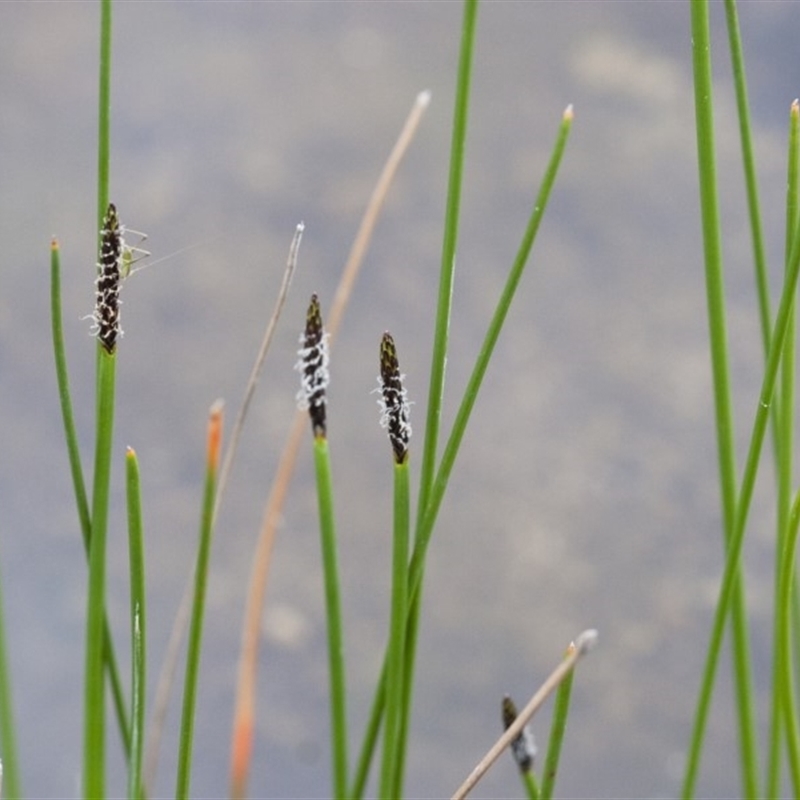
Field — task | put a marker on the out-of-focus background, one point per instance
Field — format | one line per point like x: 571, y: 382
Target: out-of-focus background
x: 585, y: 494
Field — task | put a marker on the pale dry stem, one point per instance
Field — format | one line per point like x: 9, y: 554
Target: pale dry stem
x: 583, y: 643
x: 243, y: 724
x: 166, y: 677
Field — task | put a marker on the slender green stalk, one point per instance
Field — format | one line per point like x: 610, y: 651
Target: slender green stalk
x: 787, y: 542
x: 449, y: 245
x: 104, y: 115
x: 94, y: 691
x: 8, y: 738
x: 395, y: 650
x: 436, y: 385
x: 721, y: 378
x: 138, y: 627
x: 789, y: 696
x: 94, y: 714
x: 395, y: 413
x: 557, y: 728
x: 427, y: 522
x: 78, y: 484
x: 94, y: 722
x: 333, y: 608
x: 198, y: 605
x: 749, y: 164
x: 370, y: 736
x: 62, y: 376
x: 789, y: 603
x: 410, y: 655
x: 783, y: 406
x: 438, y: 359
x: 795, y: 616
x: 784, y: 439
x: 530, y: 785
x: 313, y: 367
x: 424, y: 531
x: 753, y: 204
x: 734, y: 550
x: 484, y: 356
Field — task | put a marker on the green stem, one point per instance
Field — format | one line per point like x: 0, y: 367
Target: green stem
x: 425, y: 528
x: 138, y: 627
x: 440, y: 343
x: 730, y: 574
x: 12, y: 787
x: 370, y: 736
x: 334, y: 613
x: 482, y: 362
x: 449, y: 245
x: 103, y: 172
x: 789, y: 695
x: 78, y: 484
x: 62, y: 377
x: 530, y: 785
x: 94, y: 691
x: 722, y: 400
x: 198, y: 611
x: 557, y: 728
x: 414, y: 606
x: 749, y: 164
x: 785, y: 435
x: 783, y: 407
x: 395, y: 652
x: 428, y: 520
x: 104, y: 116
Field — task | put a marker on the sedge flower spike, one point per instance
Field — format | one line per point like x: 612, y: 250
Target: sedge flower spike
x: 313, y: 368
x: 105, y: 319
x: 395, y: 409
x: 523, y: 748
x: 117, y: 258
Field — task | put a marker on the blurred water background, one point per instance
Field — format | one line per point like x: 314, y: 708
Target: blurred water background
x: 585, y: 494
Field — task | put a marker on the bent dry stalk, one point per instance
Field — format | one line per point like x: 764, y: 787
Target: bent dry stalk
x: 582, y: 644
x: 240, y: 762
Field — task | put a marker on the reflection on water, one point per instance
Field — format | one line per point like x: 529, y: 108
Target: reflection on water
x: 585, y: 492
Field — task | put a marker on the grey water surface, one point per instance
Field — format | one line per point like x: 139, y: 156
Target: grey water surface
x: 585, y: 494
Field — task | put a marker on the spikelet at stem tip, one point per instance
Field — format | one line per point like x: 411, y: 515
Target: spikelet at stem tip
x: 313, y: 368
x: 105, y: 319
x: 395, y: 410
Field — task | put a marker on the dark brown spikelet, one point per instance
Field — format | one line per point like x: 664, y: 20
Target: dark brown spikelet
x: 106, y: 309
x: 523, y: 748
x: 313, y: 367
x: 394, y: 406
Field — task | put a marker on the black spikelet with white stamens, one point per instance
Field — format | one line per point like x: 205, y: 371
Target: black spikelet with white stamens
x: 106, y: 309
x: 523, y: 748
x: 395, y: 410
x: 313, y: 368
